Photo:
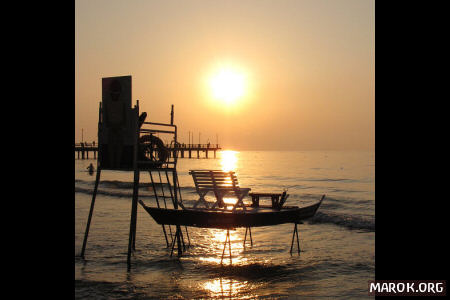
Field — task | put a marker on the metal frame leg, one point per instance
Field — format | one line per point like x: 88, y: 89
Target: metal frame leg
x: 133, y: 219
x: 245, y: 238
x: 178, y: 239
x: 295, y: 233
x: 91, y: 210
x: 173, y: 244
x: 225, y: 245
x: 187, y: 234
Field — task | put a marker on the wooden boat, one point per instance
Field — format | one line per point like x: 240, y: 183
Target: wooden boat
x: 226, y: 219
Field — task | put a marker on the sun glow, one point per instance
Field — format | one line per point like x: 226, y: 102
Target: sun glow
x: 228, y: 84
x: 228, y: 160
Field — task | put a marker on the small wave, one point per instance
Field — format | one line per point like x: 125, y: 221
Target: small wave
x: 346, y: 200
x: 327, y: 179
x: 298, y: 186
x: 109, y: 193
x: 351, y: 222
x: 122, y: 194
x: 252, y: 271
x: 335, y: 190
x: 117, y: 184
x: 87, y: 289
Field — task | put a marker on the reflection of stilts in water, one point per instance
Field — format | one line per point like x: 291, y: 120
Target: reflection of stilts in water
x: 230, y: 290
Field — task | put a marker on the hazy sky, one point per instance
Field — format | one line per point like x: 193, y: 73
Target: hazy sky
x: 309, y: 68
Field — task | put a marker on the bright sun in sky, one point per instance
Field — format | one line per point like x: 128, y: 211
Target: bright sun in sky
x: 227, y: 84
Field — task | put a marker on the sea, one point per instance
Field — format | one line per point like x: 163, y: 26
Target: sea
x: 337, y: 257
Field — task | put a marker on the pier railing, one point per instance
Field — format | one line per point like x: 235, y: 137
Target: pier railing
x: 84, y: 148
x: 195, y: 146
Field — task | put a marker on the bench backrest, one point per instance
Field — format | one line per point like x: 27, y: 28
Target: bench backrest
x: 214, y: 180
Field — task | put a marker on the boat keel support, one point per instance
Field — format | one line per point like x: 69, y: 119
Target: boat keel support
x: 245, y: 237
x: 179, y: 240
x: 225, y: 245
x: 295, y: 234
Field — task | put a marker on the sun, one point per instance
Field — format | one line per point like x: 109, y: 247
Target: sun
x: 227, y: 84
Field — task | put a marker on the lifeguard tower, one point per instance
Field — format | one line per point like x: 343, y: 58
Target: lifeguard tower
x: 126, y: 142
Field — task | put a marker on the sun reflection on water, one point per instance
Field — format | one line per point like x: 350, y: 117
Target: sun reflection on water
x: 223, y: 287
x: 216, y: 238
x: 229, y: 160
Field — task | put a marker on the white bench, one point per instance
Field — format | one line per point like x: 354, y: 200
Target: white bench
x: 221, y: 183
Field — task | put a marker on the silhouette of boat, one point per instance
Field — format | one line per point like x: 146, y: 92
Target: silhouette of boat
x: 225, y: 219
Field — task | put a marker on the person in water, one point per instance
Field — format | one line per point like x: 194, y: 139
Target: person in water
x: 90, y: 169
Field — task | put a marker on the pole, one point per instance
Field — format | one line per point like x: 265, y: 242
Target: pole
x: 133, y: 218
x: 178, y: 232
x: 132, y: 236
x: 91, y: 210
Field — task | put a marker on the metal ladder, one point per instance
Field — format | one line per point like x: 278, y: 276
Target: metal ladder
x: 175, y: 196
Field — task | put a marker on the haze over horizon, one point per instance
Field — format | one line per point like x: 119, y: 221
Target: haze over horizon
x: 262, y: 75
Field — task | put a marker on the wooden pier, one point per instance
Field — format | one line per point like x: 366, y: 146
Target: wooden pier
x: 185, y: 150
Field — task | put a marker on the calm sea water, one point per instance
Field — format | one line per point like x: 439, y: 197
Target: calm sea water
x: 338, y: 244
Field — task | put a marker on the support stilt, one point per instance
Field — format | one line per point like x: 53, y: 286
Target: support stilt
x: 177, y: 239
x: 133, y: 219
x: 91, y: 210
x: 177, y: 188
x: 182, y: 240
x: 245, y: 238
x: 134, y: 207
x: 225, y: 245
x: 187, y: 234
x: 173, y: 244
x: 179, y: 234
x: 170, y: 232
x: 295, y: 234
x: 171, y: 196
x: 229, y: 245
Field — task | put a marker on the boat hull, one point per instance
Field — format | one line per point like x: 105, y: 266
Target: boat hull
x: 252, y: 217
